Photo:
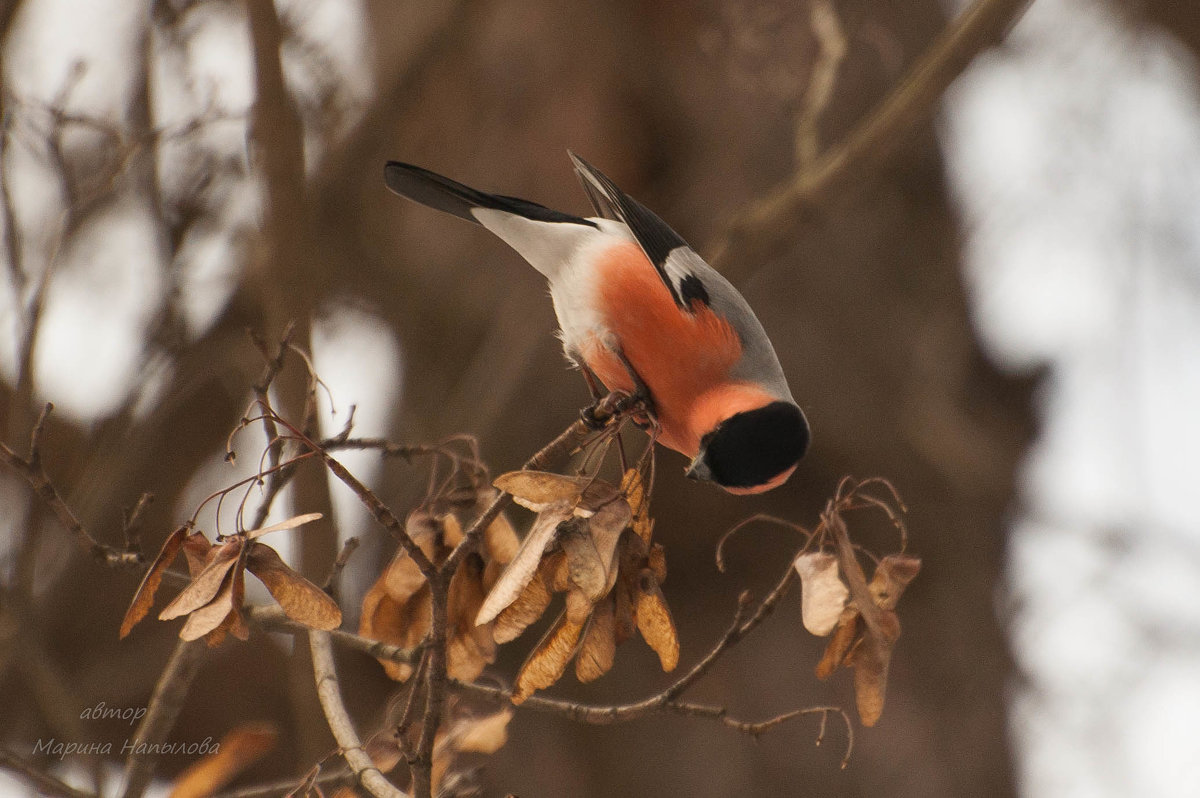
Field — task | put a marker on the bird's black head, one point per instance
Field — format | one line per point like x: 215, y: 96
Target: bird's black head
x: 753, y: 451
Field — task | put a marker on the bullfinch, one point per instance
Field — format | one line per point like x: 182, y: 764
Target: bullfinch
x: 641, y: 311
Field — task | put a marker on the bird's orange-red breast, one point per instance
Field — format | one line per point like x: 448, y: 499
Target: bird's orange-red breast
x: 631, y: 295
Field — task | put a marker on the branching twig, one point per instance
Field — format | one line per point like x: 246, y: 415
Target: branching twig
x: 757, y: 728
x: 33, y: 473
x: 436, y: 679
x: 348, y: 549
x: 131, y: 524
x: 435, y: 685
x: 608, y: 408
x: 161, y: 713
x: 380, y: 511
x: 274, y: 364
x: 623, y: 713
x: 739, y: 627
x: 341, y: 777
x: 273, y: 619
x: 330, y: 694
x: 911, y: 102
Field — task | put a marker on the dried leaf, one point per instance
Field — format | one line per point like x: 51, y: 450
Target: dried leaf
x: 237, y: 624
x: 486, y: 735
x: 632, y: 558
x: 399, y: 623
x: 823, y: 593
x: 557, y: 574
x: 539, y: 490
x: 635, y: 495
x: 483, y: 735
x: 402, y: 578
x: 625, y: 620
x: 236, y: 751
x: 524, y: 565
x: 529, y: 606
x: 654, y: 621
x: 204, y: 587
x: 579, y: 607
x: 143, y: 599
x: 501, y: 540
x: 587, y: 572
x: 396, y: 609
x: 657, y: 562
x: 870, y: 660
x: 606, y: 527
x: 207, y: 618
x: 599, y: 646
x: 470, y: 648
x: 301, y: 600
x: 848, y: 627
x: 892, y: 576
x: 199, y: 553
x: 452, y: 531
x: 546, y: 664
x: 290, y: 523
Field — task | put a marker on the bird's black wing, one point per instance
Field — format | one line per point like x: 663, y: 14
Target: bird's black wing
x: 655, y: 237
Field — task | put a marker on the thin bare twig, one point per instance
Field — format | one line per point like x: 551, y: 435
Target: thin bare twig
x: 436, y: 681
x: 623, y: 713
x: 408, y: 716
x: 380, y: 511
x: 330, y: 694
x: 382, y: 514
x: 33, y: 473
x: 131, y: 524
x: 161, y: 713
x: 273, y: 619
x: 745, y: 522
x: 348, y: 549
x: 607, y: 409
x: 274, y: 364
x: 758, y: 728
x: 739, y: 627
x: 278, y: 789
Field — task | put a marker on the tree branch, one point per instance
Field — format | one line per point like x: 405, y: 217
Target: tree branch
x: 330, y: 694
x: 272, y: 619
x: 831, y: 51
x: 162, y: 712
x: 760, y: 232
x: 606, y: 409
x: 739, y: 627
x: 33, y: 473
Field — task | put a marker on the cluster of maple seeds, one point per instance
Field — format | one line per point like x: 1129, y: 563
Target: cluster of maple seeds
x: 590, y: 540
x: 837, y: 602
x: 213, y: 599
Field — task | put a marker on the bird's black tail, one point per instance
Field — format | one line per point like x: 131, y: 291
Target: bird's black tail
x: 450, y: 196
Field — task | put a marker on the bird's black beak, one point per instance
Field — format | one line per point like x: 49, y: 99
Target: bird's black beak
x: 698, y: 469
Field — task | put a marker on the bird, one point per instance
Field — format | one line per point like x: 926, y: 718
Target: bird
x: 642, y: 312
